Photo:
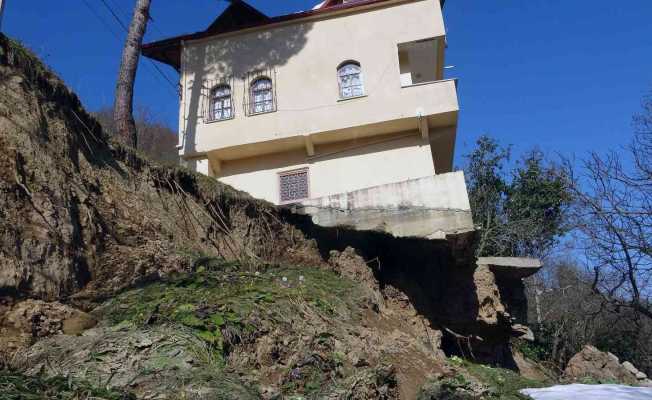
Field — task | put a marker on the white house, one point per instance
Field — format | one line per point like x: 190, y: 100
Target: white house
x: 341, y: 111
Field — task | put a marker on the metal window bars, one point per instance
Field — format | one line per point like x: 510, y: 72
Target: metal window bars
x: 259, y: 95
x: 260, y: 91
x: 217, y: 99
x: 221, y: 104
x: 349, y: 76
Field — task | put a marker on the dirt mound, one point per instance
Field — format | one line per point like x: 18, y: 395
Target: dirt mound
x: 225, y: 330
x: 80, y: 214
x: 30, y: 320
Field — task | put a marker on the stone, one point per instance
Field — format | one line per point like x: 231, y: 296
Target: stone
x: 144, y: 343
x: 30, y: 320
x: 630, y: 367
x: 78, y: 323
x: 270, y: 393
x: 595, y: 364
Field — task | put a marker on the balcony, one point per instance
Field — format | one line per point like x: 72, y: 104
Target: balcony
x: 385, y: 109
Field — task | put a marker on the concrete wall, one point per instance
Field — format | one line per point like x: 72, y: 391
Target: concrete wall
x: 430, y: 207
x: 336, y: 168
x: 303, y: 58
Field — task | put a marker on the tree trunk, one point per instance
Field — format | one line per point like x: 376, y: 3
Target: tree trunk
x: 124, y: 92
x: 2, y: 11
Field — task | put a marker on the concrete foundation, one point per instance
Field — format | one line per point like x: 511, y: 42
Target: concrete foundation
x: 429, y: 207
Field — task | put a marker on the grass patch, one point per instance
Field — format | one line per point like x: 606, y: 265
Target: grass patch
x: 477, y: 381
x: 223, y: 303
x: 14, y: 386
x: 455, y: 388
x: 503, y: 384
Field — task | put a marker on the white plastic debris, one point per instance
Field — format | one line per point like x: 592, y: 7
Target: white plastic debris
x: 284, y: 279
x: 592, y: 392
x: 301, y: 278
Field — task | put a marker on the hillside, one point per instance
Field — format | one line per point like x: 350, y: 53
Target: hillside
x: 157, y: 282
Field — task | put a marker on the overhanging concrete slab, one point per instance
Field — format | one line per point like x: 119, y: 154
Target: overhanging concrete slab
x: 512, y: 267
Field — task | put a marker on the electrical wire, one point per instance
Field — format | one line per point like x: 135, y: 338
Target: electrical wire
x: 124, y: 27
x: 117, y: 18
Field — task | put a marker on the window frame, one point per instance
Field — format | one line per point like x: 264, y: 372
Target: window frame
x: 212, y: 102
x: 340, y: 85
x: 296, y: 171
x: 252, y: 96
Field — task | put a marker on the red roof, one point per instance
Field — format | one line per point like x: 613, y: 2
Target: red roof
x: 239, y: 16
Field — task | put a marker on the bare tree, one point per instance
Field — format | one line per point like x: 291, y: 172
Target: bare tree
x: 572, y: 315
x: 614, y: 218
x: 155, y: 139
x: 124, y: 93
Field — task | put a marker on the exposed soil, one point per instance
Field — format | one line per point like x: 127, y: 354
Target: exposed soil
x: 83, y: 217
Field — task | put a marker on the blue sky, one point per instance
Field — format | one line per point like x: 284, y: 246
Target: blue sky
x: 562, y: 75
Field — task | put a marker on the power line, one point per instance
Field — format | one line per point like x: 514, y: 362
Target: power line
x: 117, y: 18
x: 99, y: 17
x: 126, y: 29
x: 123, y: 13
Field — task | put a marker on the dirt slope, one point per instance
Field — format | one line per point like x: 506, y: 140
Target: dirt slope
x: 76, y: 210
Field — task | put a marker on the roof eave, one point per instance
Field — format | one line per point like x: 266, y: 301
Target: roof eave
x: 161, y: 49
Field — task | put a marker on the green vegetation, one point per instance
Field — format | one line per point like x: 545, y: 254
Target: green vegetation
x: 225, y: 305
x: 222, y: 295
x: 455, y: 388
x: 477, y: 381
x: 503, y: 384
x: 533, y: 350
x: 14, y: 386
x: 521, y: 212
x: 14, y: 53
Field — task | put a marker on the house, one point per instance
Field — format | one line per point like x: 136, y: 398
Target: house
x: 341, y: 112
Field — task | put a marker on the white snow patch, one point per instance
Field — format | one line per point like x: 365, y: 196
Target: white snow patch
x: 592, y: 392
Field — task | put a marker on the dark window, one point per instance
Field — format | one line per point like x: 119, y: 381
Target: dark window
x: 262, y: 96
x: 221, y: 105
x: 349, y: 76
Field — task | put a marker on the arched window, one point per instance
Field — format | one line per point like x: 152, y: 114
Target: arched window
x: 262, y: 96
x: 221, y: 103
x: 349, y: 76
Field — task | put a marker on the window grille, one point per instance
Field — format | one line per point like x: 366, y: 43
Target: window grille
x: 217, y: 100
x: 262, y: 99
x: 221, y: 104
x: 349, y: 76
x: 293, y: 185
x: 260, y: 96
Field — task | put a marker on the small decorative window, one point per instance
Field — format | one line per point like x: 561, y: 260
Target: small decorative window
x: 349, y: 76
x: 221, y: 104
x: 293, y: 185
x: 262, y: 96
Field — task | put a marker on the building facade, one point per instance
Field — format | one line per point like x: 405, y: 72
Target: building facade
x: 341, y: 111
